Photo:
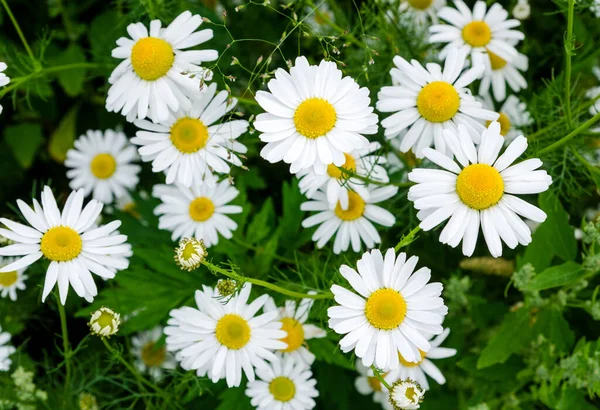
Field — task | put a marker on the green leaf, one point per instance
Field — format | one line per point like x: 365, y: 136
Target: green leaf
x: 557, y: 276
x: 262, y: 223
x: 105, y: 29
x: 234, y: 399
x: 327, y: 351
x: 63, y: 136
x: 71, y: 80
x: 572, y: 399
x: 24, y: 141
x: 291, y: 220
x: 553, y: 325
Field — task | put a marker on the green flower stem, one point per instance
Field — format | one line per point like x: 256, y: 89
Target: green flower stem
x: 18, y: 28
x: 247, y: 101
x: 264, y: 284
x: 340, y: 30
x: 408, y: 239
x: 571, y: 135
x: 66, y: 345
x: 569, y: 52
x: 379, y: 377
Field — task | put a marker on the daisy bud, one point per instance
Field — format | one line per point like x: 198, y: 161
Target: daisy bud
x: 406, y: 394
x: 226, y: 287
x: 190, y: 254
x: 105, y: 322
x: 522, y: 10
x: 87, y: 401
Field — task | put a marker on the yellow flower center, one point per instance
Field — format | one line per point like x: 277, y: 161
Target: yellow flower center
x: 189, y: 250
x: 410, y: 393
x: 356, y: 208
x: 479, y: 186
x: 420, y: 4
x: 153, y: 356
x: 105, y: 319
x: 374, y: 382
x: 438, y: 101
x: 103, y: 166
x: 61, y: 244
x: 189, y: 135
x: 477, y: 33
x: 233, y: 331
x: 295, y: 334
x: 385, y: 309
x: 8, y: 278
x: 152, y: 58
x: 335, y: 172
x: 314, y: 118
x: 411, y: 364
x: 496, y: 61
x: 201, y: 209
x: 504, y: 124
x: 282, y: 388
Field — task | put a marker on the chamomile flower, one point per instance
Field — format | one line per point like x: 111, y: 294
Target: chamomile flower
x: 421, y: 12
x: 293, y: 318
x: 362, y: 162
x: 366, y: 384
x: 190, y: 253
x: 75, y: 247
x: 150, y: 358
x: 192, y: 143
x: 313, y: 117
x: 220, y: 340
x: 478, y: 189
x: 499, y: 72
x: 353, y: 225
x: 522, y: 10
x: 101, y: 164
x: 11, y: 281
x: 425, y: 367
x: 392, y: 311
x: 4, y: 79
x: 155, y: 77
x: 5, y: 351
x: 513, y: 117
x: 428, y: 100
x: 199, y: 211
x: 406, y: 395
x: 477, y: 32
x: 283, y: 385
x: 104, y: 322
x: 318, y: 17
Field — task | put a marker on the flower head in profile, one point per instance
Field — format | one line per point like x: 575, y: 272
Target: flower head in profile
x: 158, y: 75
x: 5, y: 351
x: 70, y: 240
x: 11, y: 281
x: 104, y: 322
x: 4, y: 79
x: 190, y: 253
x: 478, y: 188
x: 522, y: 10
x: 149, y: 356
x: 406, y: 395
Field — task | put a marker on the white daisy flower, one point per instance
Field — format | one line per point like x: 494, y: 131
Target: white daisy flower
x: 595, y: 8
x: 367, y: 384
x: 293, y: 318
x: 101, y: 164
x: 425, y: 367
x: 192, y: 143
x: 477, y: 32
x: 5, y: 351
x: 313, y: 117
x: 153, y: 80
x: 318, y: 16
x: 199, y: 211
x: 478, y: 188
x: 12, y: 280
x: 428, y: 100
x: 392, y: 311
x: 220, y: 340
x: 75, y: 247
x: 336, y: 184
x: 513, y: 117
x: 283, y: 385
x: 421, y: 12
x: 522, y: 10
x: 104, y: 322
x: 148, y: 357
x: 4, y: 79
x: 406, y: 395
x: 499, y: 72
x: 353, y: 225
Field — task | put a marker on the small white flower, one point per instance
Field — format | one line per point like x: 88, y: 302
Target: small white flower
x: 406, y: 395
x: 148, y: 357
x: 5, y: 351
x: 4, y: 79
x: 318, y: 17
x: 522, y: 10
x: 499, y: 72
x: 101, y: 163
x: 421, y: 12
x: 513, y: 117
x: 104, y: 322
x: 190, y: 253
x: 595, y: 8
x: 11, y: 281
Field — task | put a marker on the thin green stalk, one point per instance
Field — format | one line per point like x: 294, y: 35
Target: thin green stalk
x: 342, y: 31
x: 66, y: 20
x: 257, y: 249
x: 246, y: 101
x: 66, y: 345
x: 571, y: 135
x: 379, y: 377
x: 18, y: 28
x: 264, y: 284
x: 408, y: 239
x: 568, y: 52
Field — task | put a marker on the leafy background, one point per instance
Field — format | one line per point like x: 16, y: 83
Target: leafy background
x: 525, y: 327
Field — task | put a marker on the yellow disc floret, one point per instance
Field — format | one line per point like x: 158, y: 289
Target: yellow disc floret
x: 8, y: 278
x: 505, y: 124
x: 496, y: 61
x: 356, y: 208
x: 374, y: 382
x: 152, y: 58
x: 406, y: 363
x: 189, y: 135
x: 153, y: 356
x: 477, y: 34
x: 282, y: 388
x: 61, y: 244
x: 295, y: 334
x: 335, y: 172
x: 103, y: 166
x: 438, y: 101
x: 385, y: 309
x: 420, y: 4
x: 479, y: 186
x: 314, y: 118
x: 201, y: 209
x: 233, y: 331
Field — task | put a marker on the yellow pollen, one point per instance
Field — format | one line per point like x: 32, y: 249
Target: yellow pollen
x: 189, y: 135
x: 385, y: 309
x: 438, y: 101
x: 295, y: 334
x: 479, y: 186
x: 61, y: 244
x: 477, y: 33
x: 8, y: 278
x: 152, y: 58
x: 188, y: 251
x: 103, y: 166
x: 201, y: 209
x: 420, y: 4
x: 504, y: 124
x: 406, y: 363
x: 282, y: 388
x: 153, y: 356
x: 356, y: 208
x: 233, y: 331
x: 410, y: 393
x: 335, y: 172
x: 374, y: 382
x: 314, y: 118
x: 105, y: 319
x: 496, y: 61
